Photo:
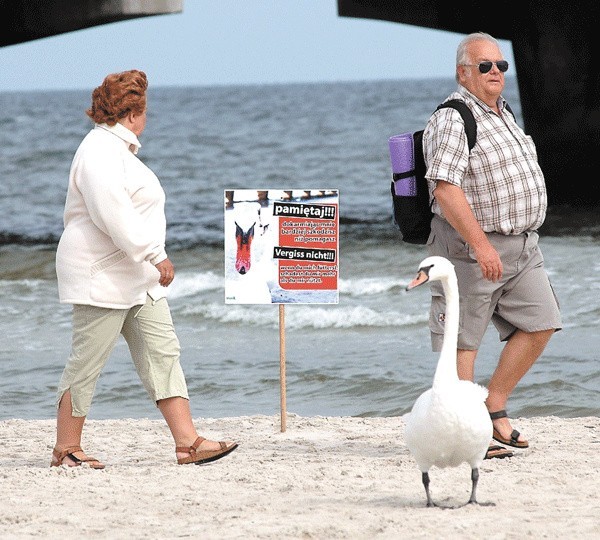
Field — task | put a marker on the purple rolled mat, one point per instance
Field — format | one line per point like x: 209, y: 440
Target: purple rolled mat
x: 403, y: 160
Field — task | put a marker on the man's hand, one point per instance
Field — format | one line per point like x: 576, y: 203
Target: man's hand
x: 457, y: 211
x: 489, y: 262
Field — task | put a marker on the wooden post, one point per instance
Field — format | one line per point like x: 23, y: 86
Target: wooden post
x: 282, y: 364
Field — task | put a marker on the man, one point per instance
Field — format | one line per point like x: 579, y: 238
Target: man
x: 488, y: 205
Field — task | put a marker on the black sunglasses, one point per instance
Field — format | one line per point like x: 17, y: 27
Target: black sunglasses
x: 484, y: 67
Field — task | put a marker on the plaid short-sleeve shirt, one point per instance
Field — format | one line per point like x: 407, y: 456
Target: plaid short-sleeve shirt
x: 501, y: 178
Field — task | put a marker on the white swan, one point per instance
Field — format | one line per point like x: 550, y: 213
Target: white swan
x: 449, y: 424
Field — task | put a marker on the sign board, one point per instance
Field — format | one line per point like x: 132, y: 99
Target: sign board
x: 281, y: 246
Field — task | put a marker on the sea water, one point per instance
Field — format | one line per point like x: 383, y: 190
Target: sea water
x: 367, y: 355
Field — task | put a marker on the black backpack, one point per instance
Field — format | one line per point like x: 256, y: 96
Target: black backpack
x: 413, y: 213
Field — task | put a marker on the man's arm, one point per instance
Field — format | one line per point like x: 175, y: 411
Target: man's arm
x: 458, y: 213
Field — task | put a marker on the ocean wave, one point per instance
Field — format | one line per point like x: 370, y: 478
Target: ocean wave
x: 193, y: 283
x: 370, y: 286
x: 356, y: 228
x: 303, y: 316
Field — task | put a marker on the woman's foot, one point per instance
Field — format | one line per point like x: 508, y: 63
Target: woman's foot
x: 73, y: 456
x: 203, y: 451
x: 504, y: 433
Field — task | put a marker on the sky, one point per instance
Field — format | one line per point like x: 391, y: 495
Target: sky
x: 222, y: 42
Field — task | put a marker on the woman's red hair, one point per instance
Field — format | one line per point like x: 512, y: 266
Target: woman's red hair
x: 117, y: 96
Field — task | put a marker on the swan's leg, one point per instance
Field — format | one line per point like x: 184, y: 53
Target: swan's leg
x: 474, y: 480
x: 425, y: 478
x: 473, y: 499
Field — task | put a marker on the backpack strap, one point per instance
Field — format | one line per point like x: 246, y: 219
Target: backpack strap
x: 403, y: 175
x: 467, y: 116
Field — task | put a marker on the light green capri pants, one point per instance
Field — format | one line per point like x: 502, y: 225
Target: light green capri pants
x: 149, y: 332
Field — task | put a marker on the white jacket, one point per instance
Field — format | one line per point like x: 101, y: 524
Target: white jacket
x: 114, y: 224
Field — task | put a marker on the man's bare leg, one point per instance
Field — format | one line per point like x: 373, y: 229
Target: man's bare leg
x: 519, y: 354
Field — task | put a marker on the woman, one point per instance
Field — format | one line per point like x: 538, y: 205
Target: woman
x: 112, y: 266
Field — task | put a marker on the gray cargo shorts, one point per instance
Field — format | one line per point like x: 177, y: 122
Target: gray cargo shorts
x: 523, y: 299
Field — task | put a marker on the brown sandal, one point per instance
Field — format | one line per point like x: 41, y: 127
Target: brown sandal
x: 204, y: 456
x: 93, y: 463
x: 514, y: 436
x: 496, y: 451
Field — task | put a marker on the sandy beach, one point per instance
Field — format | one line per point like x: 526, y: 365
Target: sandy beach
x: 323, y: 477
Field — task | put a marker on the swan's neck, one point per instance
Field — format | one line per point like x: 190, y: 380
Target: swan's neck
x: 446, y: 368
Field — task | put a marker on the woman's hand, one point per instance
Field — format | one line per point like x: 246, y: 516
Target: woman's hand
x: 167, y: 272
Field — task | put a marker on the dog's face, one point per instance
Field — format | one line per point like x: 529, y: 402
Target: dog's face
x: 243, y: 259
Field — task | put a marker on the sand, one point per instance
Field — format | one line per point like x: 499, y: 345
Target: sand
x: 323, y: 477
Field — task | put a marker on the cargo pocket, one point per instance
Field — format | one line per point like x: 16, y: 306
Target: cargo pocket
x: 437, y: 311
x: 431, y: 238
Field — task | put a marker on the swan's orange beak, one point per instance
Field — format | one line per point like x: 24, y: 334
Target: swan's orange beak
x: 422, y: 277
